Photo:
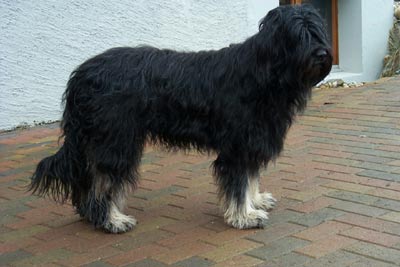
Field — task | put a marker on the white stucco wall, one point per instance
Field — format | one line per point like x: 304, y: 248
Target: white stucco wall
x: 257, y: 9
x: 42, y: 41
x: 364, y: 27
x: 377, y: 20
x: 350, y: 35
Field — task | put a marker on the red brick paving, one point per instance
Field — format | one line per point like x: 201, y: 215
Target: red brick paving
x: 337, y: 182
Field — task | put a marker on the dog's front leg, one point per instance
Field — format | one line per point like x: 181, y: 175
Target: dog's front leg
x: 244, y: 207
x: 263, y: 200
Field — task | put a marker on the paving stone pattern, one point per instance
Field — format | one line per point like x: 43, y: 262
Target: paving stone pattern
x: 337, y: 185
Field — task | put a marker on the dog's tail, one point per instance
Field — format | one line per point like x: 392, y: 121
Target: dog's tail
x: 56, y: 175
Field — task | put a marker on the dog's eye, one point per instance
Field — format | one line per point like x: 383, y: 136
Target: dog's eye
x: 321, y: 53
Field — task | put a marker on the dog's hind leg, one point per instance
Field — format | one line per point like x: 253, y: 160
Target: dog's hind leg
x: 236, y: 194
x: 117, y: 222
x: 115, y: 173
x: 105, y: 203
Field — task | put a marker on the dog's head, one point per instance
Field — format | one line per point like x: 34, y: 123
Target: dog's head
x: 293, y: 40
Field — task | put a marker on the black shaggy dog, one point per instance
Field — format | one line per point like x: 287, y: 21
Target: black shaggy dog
x: 238, y: 101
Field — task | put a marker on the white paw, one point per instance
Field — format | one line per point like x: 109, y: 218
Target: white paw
x: 120, y: 223
x: 265, y: 201
x: 253, y: 219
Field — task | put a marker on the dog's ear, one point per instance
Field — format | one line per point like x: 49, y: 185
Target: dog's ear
x: 272, y: 18
x: 270, y: 31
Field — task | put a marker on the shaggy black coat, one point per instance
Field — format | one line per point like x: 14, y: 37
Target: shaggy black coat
x: 238, y: 101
